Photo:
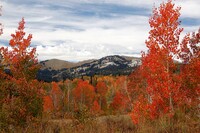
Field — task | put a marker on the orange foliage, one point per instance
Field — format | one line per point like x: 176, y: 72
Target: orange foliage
x: 84, y: 93
x: 140, y: 110
x: 101, y: 88
x: 190, y: 71
x: 118, y: 101
x: 47, y: 104
x: 56, y: 95
x: 162, y: 85
x: 96, y: 107
x: 121, y: 83
x: 21, y: 89
x: 158, y: 66
x: 136, y: 84
x: 21, y: 59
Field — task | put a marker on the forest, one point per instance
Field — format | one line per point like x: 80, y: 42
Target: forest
x: 161, y: 95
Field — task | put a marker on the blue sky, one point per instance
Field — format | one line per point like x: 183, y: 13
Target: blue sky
x: 76, y: 30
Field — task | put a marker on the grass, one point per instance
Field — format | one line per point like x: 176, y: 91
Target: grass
x: 114, y: 124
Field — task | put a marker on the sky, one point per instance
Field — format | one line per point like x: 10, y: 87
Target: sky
x: 76, y: 30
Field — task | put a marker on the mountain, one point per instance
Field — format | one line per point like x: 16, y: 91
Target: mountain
x: 57, y: 70
x: 56, y: 64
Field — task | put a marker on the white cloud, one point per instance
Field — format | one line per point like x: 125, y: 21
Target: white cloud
x: 76, y: 51
x: 65, y: 30
x: 190, y: 8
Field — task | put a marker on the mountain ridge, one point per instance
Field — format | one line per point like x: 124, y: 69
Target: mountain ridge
x: 58, y: 70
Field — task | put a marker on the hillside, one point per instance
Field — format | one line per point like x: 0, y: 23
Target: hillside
x: 56, y: 64
x: 57, y: 70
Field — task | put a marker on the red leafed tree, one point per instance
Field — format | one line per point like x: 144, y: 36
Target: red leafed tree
x: 140, y: 110
x: 47, y: 104
x: 84, y: 93
x: 158, y: 67
x: 21, y: 92
x: 96, y: 108
x: 21, y: 60
x: 190, y: 70
x: 121, y: 83
x: 101, y: 90
x: 136, y: 84
x: 56, y: 95
x: 118, y: 102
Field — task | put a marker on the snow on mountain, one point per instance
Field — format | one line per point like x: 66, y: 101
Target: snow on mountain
x: 109, y: 65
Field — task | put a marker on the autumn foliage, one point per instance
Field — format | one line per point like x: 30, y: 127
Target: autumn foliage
x: 101, y: 90
x: 21, y: 99
x: 56, y: 95
x: 84, y: 93
x: 118, y: 101
x: 48, y: 104
x: 165, y: 86
x: 190, y: 71
x: 21, y: 60
x: 96, y: 107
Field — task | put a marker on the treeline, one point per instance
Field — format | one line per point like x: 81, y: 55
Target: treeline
x: 107, y: 95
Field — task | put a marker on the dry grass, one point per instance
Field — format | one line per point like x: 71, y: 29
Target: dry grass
x: 103, y: 124
x: 113, y: 124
